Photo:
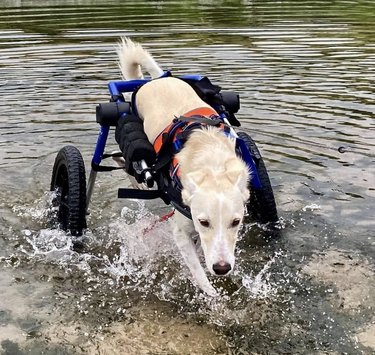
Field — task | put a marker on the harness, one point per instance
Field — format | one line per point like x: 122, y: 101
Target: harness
x: 171, y: 140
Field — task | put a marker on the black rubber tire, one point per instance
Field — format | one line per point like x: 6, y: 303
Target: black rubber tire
x: 69, y: 183
x: 261, y: 206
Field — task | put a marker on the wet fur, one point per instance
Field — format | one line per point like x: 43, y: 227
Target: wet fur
x: 214, y: 179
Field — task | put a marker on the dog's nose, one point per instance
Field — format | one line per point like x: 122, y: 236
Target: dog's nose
x: 221, y: 268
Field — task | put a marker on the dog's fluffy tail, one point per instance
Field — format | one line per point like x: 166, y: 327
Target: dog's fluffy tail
x: 132, y: 56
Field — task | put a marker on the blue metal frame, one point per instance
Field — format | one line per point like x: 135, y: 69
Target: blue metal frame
x: 116, y: 88
x: 100, y: 145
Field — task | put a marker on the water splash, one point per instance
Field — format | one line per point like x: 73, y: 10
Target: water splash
x: 260, y: 286
x: 40, y: 210
x: 311, y: 207
x: 145, y: 254
x: 135, y: 254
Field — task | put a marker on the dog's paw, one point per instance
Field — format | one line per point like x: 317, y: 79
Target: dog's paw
x: 210, y: 291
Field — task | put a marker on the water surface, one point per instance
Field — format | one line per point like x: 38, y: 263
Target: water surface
x: 305, y: 72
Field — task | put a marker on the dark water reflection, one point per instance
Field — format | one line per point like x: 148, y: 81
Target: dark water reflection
x: 305, y: 73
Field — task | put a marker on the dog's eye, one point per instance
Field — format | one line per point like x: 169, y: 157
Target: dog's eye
x: 236, y: 222
x: 204, y: 223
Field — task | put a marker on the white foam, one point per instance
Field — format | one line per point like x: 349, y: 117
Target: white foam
x: 259, y: 286
x: 137, y: 253
x: 40, y: 210
x: 311, y: 207
x: 142, y: 244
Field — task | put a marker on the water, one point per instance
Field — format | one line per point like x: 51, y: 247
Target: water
x: 305, y: 73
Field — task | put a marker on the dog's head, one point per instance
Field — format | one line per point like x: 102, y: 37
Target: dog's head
x: 216, y: 200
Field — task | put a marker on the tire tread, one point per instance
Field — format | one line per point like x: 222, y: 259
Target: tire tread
x: 262, y: 205
x: 70, y: 158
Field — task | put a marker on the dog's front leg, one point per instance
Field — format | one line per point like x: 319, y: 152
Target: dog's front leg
x: 183, y: 229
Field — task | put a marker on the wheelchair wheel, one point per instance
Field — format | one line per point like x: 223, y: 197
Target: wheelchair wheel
x: 261, y: 206
x: 69, y: 184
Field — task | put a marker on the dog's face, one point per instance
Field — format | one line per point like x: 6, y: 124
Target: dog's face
x: 217, y: 208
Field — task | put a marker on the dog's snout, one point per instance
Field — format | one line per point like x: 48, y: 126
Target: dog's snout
x: 221, y: 268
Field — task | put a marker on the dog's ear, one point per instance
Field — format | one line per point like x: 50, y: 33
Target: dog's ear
x: 238, y: 174
x: 190, y: 185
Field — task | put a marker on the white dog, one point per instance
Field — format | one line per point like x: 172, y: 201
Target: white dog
x: 214, y: 179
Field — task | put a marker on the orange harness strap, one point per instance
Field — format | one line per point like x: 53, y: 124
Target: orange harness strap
x: 201, y: 111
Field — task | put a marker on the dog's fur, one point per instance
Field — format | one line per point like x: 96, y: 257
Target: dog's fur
x: 214, y: 179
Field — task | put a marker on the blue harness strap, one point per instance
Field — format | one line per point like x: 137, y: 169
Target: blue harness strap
x: 246, y: 156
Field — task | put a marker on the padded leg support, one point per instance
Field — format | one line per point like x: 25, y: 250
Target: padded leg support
x: 133, y: 142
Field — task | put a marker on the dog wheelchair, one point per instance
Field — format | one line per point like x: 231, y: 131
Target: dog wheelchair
x: 72, y: 196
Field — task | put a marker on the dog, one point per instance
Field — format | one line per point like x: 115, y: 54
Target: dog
x: 214, y: 179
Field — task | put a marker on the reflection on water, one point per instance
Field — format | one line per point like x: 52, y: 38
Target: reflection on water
x: 305, y: 73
